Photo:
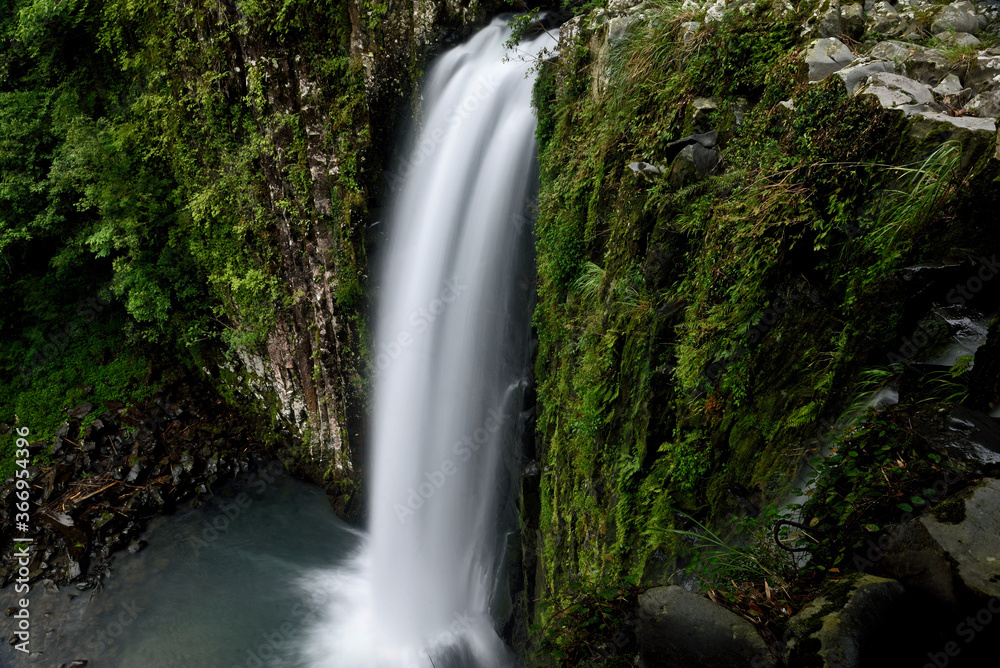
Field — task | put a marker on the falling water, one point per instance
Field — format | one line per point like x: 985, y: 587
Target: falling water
x: 451, y: 352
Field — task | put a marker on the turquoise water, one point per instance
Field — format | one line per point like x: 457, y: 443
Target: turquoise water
x: 219, y: 586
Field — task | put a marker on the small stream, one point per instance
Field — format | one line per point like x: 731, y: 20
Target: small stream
x: 218, y: 586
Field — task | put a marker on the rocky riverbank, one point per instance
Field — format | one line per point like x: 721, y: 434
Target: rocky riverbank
x: 112, y: 468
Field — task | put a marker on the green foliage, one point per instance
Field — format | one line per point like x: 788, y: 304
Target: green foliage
x: 878, y: 472
x: 138, y: 147
x: 595, y: 628
x: 905, y: 209
x: 90, y: 363
x: 718, y: 562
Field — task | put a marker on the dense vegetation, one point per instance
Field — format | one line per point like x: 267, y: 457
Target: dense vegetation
x: 140, y: 148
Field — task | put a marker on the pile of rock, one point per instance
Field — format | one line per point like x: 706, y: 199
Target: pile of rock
x: 947, y: 78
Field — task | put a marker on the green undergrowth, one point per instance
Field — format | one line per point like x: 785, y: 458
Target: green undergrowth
x: 91, y: 362
x: 693, y: 338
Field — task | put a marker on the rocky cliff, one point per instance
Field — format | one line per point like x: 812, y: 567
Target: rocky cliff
x: 764, y: 251
x: 321, y: 104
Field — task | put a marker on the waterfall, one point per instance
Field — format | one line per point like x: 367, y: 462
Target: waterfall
x: 452, y: 336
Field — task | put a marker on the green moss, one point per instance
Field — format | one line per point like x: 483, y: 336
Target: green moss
x: 691, y: 340
x: 951, y: 511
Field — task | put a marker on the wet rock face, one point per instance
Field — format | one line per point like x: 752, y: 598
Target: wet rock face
x: 139, y: 462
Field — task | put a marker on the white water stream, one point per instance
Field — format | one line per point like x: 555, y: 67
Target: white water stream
x: 452, y: 349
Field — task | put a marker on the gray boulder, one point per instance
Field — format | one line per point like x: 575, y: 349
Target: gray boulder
x: 829, y: 24
x: 701, y: 110
x: 986, y: 104
x: 958, y: 38
x: 885, y: 20
x: 852, y: 20
x: 892, y: 50
x: 952, y: 551
x: 856, y: 74
x: 957, y: 17
x: 825, y: 56
x: 894, y: 91
x: 928, y: 66
x: 689, y: 29
x: 986, y: 69
x: 925, y: 65
x: 676, y: 627
x: 693, y: 163
x: 950, y: 87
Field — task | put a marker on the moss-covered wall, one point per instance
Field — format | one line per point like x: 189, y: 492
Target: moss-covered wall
x: 698, y: 335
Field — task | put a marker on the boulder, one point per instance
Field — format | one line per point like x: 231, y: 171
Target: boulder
x: 701, y: 110
x: 969, y: 123
x: 957, y: 39
x: 957, y: 17
x: 692, y: 158
x: 986, y: 104
x: 715, y: 12
x: 689, y: 29
x: 825, y: 56
x: 835, y: 635
x: 892, y: 50
x: 885, y: 20
x: 852, y: 20
x: 898, y: 92
x: 693, y: 163
x: 928, y: 66
x: 986, y: 69
x: 856, y: 74
x: 829, y: 21
x: 971, y: 436
x: 951, y: 552
x: 924, y: 65
x: 950, y: 88
x: 676, y: 627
